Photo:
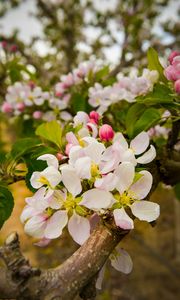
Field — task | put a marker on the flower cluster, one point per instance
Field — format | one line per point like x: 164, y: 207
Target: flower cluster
x: 99, y: 177
x: 76, y: 77
x: 172, y: 72
x: 30, y: 100
x: 127, y: 88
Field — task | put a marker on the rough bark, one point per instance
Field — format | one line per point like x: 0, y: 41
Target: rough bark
x: 21, y: 281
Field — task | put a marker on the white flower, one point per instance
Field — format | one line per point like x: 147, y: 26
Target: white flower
x: 50, y: 176
x: 120, y: 260
x: 131, y: 194
x: 46, y: 214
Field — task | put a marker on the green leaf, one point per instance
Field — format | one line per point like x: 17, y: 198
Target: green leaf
x: 78, y: 102
x: 132, y: 116
x: 177, y: 190
x: 154, y: 63
x: 161, y: 94
x: 102, y: 73
x: 149, y: 118
x: 6, y: 204
x: 23, y: 146
x: 51, y: 131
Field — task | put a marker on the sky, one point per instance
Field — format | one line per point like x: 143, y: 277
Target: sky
x: 21, y: 18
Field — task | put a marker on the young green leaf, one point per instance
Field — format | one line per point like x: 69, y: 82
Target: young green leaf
x: 132, y: 116
x: 51, y: 131
x: 22, y: 147
x: 154, y: 63
x: 149, y: 118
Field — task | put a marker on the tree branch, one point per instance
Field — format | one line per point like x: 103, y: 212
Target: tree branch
x: 23, y: 282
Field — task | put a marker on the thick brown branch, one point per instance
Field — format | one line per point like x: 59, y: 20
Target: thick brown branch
x: 63, y: 282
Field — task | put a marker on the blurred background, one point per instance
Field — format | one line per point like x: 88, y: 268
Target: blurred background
x: 51, y: 38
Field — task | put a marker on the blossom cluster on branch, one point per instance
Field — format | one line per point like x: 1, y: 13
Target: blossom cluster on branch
x: 100, y: 178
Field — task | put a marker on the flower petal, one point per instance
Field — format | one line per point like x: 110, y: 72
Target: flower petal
x: 140, y: 143
x: 122, y: 219
x: 36, y: 226
x: 119, y: 137
x: 71, y: 180
x: 94, y: 151
x: 125, y: 173
x: 50, y: 159
x: 96, y: 199
x: 145, y: 210
x: 34, y: 180
x: 83, y: 167
x: 141, y: 188
x: 122, y: 262
x: 148, y: 156
x: 52, y: 175
x: 55, y: 224
x: 79, y: 228
x: 107, y: 182
x: 100, y: 277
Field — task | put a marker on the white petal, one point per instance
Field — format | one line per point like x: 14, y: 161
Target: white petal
x: 81, y: 118
x: 43, y: 243
x: 71, y: 138
x: 141, y: 188
x: 107, y: 182
x: 34, y: 180
x: 145, y: 210
x: 122, y: 219
x: 125, y: 173
x: 96, y: 199
x: 36, y: 226
x: 100, y: 277
x: 75, y: 153
x: 50, y: 159
x: 129, y: 156
x: 122, y: 262
x: 140, y: 143
x: 148, y: 156
x: 121, y: 140
x: 28, y: 212
x: 56, y: 200
x: 55, y: 224
x: 94, y: 151
x: 83, y: 167
x: 71, y: 180
x: 79, y: 228
x: 52, y: 175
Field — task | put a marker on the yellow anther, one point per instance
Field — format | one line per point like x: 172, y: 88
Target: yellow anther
x: 94, y: 170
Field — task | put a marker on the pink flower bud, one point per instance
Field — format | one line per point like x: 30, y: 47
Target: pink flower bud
x: 172, y: 73
x: 6, y: 108
x: 31, y: 84
x: 95, y: 116
x: 59, y: 156
x: 177, y: 86
x: 37, y: 114
x: 92, y: 121
x: 68, y: 148
x: 4, y: 44
x: 106, y: 133
x: 13, y: 48
x: 20, y: 106
x: 172, y: 55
